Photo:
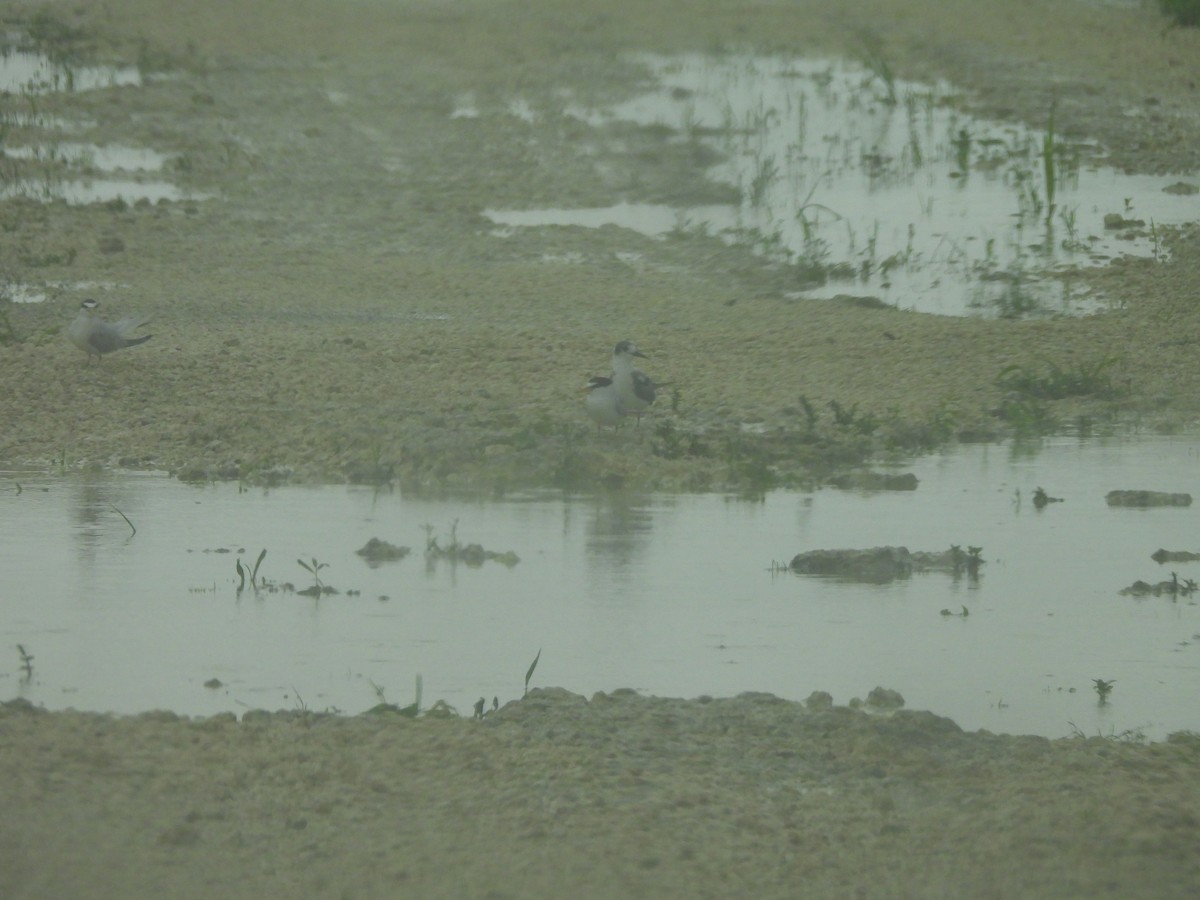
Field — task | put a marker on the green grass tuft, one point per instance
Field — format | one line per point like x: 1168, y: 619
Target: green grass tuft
x: 1085, y: 380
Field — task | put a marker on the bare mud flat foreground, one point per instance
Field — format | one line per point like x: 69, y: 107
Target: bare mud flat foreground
x: 622, y: 796
x: 339, y: 309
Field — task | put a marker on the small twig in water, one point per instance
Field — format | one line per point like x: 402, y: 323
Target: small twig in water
x: 126, y: 518
x: 26, y: 661
x: 378, y: 691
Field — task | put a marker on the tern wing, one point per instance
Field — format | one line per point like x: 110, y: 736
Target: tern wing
x: 103, y: 337
x: 128, y: 324
x: 643, y: 387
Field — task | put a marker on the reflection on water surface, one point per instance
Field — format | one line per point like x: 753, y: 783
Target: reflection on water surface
x: 673, y: 595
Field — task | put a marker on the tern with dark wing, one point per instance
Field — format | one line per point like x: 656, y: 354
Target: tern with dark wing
x: 95, y: 337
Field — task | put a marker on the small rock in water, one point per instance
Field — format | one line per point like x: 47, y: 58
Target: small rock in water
x: 1146, y: 498
x: 376, y: 551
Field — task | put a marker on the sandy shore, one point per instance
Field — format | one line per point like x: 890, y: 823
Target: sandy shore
x: 339, y: 310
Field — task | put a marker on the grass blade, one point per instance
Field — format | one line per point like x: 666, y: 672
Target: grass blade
x: 532, y: 666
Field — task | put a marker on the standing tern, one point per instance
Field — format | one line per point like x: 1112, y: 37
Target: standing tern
x: 626, y: 392
x: 95, y: 337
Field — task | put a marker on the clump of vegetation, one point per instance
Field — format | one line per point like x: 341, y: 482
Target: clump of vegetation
x: 1183, y: 12
x: 253, y: 573
x: 1057, y: 383
x: 851, y: 420
x: 671, y: 442
x: 967, y: 561
x: 750, y: 464
x: 409, y: 712
x: 456, y: 552
x: 919, y: 436
x: 874, y: 60
x: 1103, y: 688
x: 1041, y: 498
x: 1128, y: 736
x: 60, y: 41
x: 1027, y: 416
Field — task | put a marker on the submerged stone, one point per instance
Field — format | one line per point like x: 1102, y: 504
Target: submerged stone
x: 376, y: 551
x: 1146, y: 498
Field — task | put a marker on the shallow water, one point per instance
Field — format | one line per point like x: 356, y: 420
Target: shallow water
x: 672, y: 595
x: 70, y: 167
x: 905, y: 200
x: 27, y: 72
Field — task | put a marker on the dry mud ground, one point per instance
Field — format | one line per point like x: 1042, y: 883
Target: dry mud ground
x: 339, y: 309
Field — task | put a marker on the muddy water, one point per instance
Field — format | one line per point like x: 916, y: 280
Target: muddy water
x: 672, y: 595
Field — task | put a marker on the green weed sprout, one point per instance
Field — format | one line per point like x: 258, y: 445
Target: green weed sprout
x: 315, y: 569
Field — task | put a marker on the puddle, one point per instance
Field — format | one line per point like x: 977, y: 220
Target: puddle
x: 23, y: 72
x: 22, y: 293
x: 65, y: 170
x: 910, y: 201
x: 83, y: 191
x: 28, y: 293
x: 672, y: 595
x: 646, y: 218
x: 104, y: 158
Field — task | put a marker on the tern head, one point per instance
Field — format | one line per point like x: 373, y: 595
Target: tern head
x: 598, y: 381
x: 628, y: 349
x: 89, y: 305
